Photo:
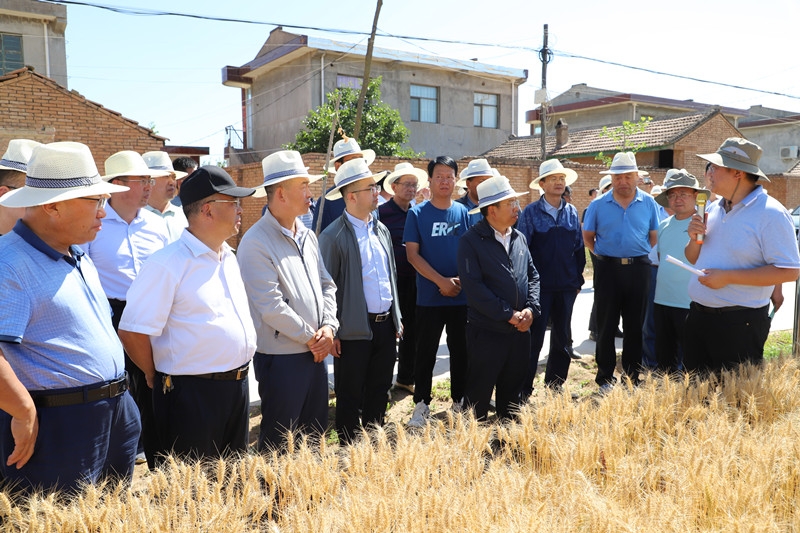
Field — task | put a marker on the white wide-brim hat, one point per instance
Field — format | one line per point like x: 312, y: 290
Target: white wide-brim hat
x: 56, y: 172
x: 552, y: 167
x: 159, y: 160
x: 348, y: 146
x: 282, y: 166
x: 352, y: 171
x: 475, y: 168
x: 623, y: 163
x: 495, y: 189
x: 129, y: 163
x: 405, y: 169
x: 605, y: 181
x: 18, y: 154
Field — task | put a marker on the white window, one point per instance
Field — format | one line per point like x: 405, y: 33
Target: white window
x: 485, y: 110
x: 10, y: 52
x: 348, y: 82
x: 424, y: 104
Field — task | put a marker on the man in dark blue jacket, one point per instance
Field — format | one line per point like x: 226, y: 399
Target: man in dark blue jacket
x: 553, y: 231
x: 502, y: 289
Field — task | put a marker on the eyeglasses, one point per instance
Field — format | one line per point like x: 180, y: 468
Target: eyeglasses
x: 410, y: 186
x: 101, y: 202
x: 511, y: 203
x: 237, y: 201
x: 145, y: 181
x: 372, y: 188
x: 681, y: 195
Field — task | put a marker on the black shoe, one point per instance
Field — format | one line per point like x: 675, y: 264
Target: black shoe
x: 618, y: 334
x: 572, y: 354
x: 593, y: 336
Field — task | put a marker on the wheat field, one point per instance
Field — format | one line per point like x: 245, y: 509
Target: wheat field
x: 667, y: 456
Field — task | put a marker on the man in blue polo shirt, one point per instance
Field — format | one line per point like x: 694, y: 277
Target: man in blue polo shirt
x: 431, y: 235
x: 620, y: 229
x: 66, y: 416
x: 748, y: 247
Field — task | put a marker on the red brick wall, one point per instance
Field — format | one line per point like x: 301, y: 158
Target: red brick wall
x: 36, y: 108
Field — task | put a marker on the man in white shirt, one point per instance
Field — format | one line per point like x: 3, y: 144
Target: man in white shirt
x: 194, y: 343
x: 130, y: 235
x: 163, y: 191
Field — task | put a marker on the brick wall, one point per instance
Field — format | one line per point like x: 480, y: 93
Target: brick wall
x: 34, y: 107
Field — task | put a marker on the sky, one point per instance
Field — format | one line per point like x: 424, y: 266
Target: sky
x: 165, y: 71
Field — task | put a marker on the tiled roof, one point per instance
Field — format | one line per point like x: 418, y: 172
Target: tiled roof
x: 660, y: 132
x: 794, y: 171
x: 25, y: 72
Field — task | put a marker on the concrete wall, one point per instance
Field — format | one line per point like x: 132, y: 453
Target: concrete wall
x: 771, y: 139
x: 28, y: 18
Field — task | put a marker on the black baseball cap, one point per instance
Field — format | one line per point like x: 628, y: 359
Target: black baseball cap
x: 208, y: 180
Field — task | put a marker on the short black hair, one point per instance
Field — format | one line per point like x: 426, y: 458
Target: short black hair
x: 185, y: 164
x: 567, y: 191
x: 592, y: 190
x: 189, y: 210
x: 485, y: 211
x: 445, y: 160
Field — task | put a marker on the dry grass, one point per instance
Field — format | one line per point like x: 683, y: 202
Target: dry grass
x: 664, y: 457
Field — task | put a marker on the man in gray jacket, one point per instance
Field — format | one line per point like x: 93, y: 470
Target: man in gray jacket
x: 358, y: 253
x: 292, y: 302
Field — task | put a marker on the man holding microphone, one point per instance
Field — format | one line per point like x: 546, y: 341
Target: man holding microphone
x: 748, y: 246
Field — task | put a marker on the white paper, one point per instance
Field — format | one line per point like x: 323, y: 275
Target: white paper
x: 685, y: 266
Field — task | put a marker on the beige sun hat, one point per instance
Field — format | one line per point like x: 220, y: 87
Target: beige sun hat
x: 605, y: 181
x: 678, y: 178
x: 475, y: 168
x: 551, y: 167
x: 56, y: 172
x: 281, y: 166
x: 623, y: 163
x: 738, y: 154
x: 351, y: 171
x: 159, y: 160
x: 129, y: 163
x: 495, y: 189
x: 405, y: 169
x: 348, y: 146
x: 17, y: 154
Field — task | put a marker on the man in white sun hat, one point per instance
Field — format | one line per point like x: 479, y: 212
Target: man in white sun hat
x: 13, y: 166
x: 293, y: 304
x: 65, y: 415
x: 163, y: 191
x: 620, y: 229
x: 502, y: 289
x: 748, y: 247
x: 477, y: 171
x: 553, y: 231
x: 404, y: 182
x: 130, y: 235
x: 357, y: 251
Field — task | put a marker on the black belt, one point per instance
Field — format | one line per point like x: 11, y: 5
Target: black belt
x: 638, y: 260
x: 720, y: 310
x: 379, y: 317
x: 90, y: 393
x: 237, y: 374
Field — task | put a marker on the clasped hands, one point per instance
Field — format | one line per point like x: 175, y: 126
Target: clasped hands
x: 521, y: 320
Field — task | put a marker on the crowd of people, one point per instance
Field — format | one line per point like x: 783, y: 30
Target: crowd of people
x: 129, y: 326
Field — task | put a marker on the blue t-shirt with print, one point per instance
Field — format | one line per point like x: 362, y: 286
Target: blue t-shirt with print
x: 437, y: 232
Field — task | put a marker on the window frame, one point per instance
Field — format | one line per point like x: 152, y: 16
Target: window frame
x: 4, y: 69
x: 480, y: 108
x: 417, y: 101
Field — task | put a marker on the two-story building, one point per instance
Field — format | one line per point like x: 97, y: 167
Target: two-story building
x: 32, y: 34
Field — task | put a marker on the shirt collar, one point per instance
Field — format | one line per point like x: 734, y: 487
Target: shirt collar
x: 357, y: 222
x: 609, y: 196
x: 469, y: 201
x: 168, y: 212
x: 111, y: 214
x: 27, y: 234
x: 502, y: 235
x: 198, y: 247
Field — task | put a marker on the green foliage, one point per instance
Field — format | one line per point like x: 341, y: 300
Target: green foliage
x: 778, y: 343
x: 621, y: 137
x: 382, y: 129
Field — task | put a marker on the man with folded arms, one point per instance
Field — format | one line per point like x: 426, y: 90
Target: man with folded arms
x: 163, y: 191
x: 194, y: 342
x: 357, y: 250
x: 66, y: 416
x: 749, y: 246
x: 292, y: 302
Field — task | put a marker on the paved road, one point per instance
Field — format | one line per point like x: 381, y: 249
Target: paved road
x: 580, y: 334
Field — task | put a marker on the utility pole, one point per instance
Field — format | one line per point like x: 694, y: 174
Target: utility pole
x: 545, y: 55
x: 367, y: 67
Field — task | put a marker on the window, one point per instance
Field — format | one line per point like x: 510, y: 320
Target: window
x: 348, y: 82
x: 485, y: 110
x: 10, y: 52
x: 424, y: 104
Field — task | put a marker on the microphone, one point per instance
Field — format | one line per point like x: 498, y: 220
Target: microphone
x: 702, y: 198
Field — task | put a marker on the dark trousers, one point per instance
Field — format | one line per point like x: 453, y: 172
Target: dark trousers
x: 620, y: 289
x: 430, y: 322
x: 593, y: 314
x: 722, y: 339
x: 363, y: 377
x: 670, y: 337
x: 76, y: 443
x: 407, y: 348
x: 201, y: 418
x: 556, y: 307
x: 496, y: 361
x: 649, y: 327
x: 294, y: 396
x: 142, y: 395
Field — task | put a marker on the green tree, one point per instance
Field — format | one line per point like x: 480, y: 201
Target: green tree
x: 382, y: 129
x: 622, y: 136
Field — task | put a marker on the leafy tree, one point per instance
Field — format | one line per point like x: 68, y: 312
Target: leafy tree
x: 382, y: 129
x: 622, y: 136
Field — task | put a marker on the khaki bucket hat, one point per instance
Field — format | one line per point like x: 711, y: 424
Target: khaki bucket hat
x: 738, y: 154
